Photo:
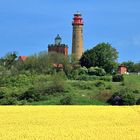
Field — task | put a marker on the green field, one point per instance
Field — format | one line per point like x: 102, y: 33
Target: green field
x: 87, y: 93
x: 40, y: 90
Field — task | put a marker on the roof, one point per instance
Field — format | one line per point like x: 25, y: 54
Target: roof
x: 23, y: 58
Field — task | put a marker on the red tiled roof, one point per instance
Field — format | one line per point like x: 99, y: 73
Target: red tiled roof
x: 23, y: 58
x: 58, y: 65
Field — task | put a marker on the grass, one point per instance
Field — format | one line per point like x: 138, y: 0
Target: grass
x: 69, y: 123
x: 87, y: 93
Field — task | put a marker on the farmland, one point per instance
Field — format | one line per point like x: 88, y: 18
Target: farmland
x: 69, y: 123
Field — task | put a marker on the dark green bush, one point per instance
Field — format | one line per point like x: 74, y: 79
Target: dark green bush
x: 136, y: 91
x: 30, y: 95
x: 118, y: 78
x: 8, y: 101
x: 82, y: 71
x: 100, y: 84
x: 138, y: 102
x: 122, y: 97
x: 109, y: 87
x: 66, y: 100
x: 96, y: 71
x: 2, y: 94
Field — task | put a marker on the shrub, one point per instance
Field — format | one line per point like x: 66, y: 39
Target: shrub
x: 118, y: 78
x: 57, y: 85
x: 83, y: 77
x: 138, y: 102
x: 136, y: 91
x: 109, y: 87
x: 74, y: 75
x: 100, y: 84
x: 96, y: 71
x: 2, y: 94
x: 66, y: 100
x: 104, y: 95
x: 8, y: 101
x: 106, y: 78
x: 52, y: 89
x: 83, y: 85
x: 82, y: 71
x: 30, y: 95
x: 122, y: 97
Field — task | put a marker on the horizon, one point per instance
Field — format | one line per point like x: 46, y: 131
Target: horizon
x: 28, y: 27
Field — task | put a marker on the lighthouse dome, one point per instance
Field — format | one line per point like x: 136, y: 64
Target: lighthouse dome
x: 58, y: 40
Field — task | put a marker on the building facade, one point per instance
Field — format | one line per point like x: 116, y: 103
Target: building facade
x: 122, y: 69
x: 58, y: 47
x: 77, y: 37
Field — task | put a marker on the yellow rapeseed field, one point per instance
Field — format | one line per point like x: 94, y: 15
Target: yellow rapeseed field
x: 69, y: 123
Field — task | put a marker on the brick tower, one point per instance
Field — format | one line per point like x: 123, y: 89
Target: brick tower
x: 58, y: 47
x: 77, y: 38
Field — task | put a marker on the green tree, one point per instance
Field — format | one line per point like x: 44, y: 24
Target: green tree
x: 9, y: 60
x: 129, y: 65
x: 103, y: 55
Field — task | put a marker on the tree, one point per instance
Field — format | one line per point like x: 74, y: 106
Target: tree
x: 129, y: 65
x: 137, y: 67
x: 132, y: 67
x: 103, y: 55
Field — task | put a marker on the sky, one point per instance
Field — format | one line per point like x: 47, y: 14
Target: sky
x: 28, y: 26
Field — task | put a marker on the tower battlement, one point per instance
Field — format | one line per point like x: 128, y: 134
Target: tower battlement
x: 58, y: 47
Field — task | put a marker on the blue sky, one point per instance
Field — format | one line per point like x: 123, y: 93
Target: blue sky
x: 28, y: 26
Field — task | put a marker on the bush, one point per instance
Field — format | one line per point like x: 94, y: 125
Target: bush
x: 106, y: 78
x: 122, y: 97
x: 2, y: 94
x: 96, y: 71
x: 8, y: 101
x: 57, y: 85
x: 83, y: 77
x: 73, y: 75
x: 118, y: 78
x: 138, y: 102
x: 83, y: 85
x: 66, y: 100
x: 104, y: 95
x: 136, y: 91
x: 100, y: 84
x: 30, y: 95
x: 82, y: 71
x: 109, y: 87
x: 52, y: 89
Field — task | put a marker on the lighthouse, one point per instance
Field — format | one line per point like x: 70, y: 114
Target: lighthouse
x: 77, y: 37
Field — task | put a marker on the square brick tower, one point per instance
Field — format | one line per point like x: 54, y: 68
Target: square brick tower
x: 58, y: 47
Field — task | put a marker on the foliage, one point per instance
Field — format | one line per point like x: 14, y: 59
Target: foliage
x: 82, y: 71
x: 30, y: 95
x: 129, y: 65
x: 103, y: 55
x: 138, y: 102
x: 66, y: 100
x: 117, y: 78
x: 96, y: 71
x: 100, y: 84
x: 122, y: 97
x: 58, y: 84
x: 9, y: 60
x: 8, y: 101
